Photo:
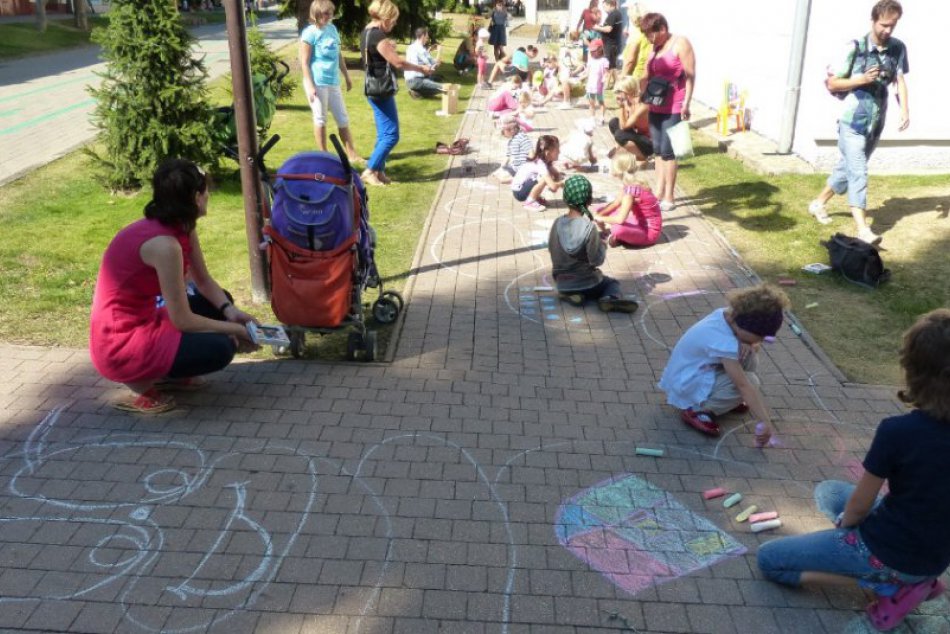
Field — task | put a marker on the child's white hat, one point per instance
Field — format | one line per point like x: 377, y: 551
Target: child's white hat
x: 586, y: 126
x: 483, y: 33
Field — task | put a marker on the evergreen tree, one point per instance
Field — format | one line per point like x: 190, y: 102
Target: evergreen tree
x: 152, y: 103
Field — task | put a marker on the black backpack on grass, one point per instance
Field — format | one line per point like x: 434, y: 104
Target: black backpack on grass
x: 856, y: 260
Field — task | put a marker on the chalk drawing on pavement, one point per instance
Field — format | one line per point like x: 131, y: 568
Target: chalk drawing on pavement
x: 638, y: 535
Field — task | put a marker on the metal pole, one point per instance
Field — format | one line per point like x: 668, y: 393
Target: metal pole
x: 793, y: 85
x: 247, y: 143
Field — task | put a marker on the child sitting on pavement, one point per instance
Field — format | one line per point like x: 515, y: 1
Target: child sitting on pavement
x: 539, y: 174
x: 579, y: 147
x: 897, y: 544
x: 517, y: 152
x: 633, y: 217
x: 709, y: 371
x: 577, y: 250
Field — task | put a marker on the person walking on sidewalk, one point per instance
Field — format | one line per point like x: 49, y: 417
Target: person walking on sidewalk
x: 872, y: 64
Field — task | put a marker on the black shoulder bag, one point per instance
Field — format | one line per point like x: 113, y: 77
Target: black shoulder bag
x: 377, y: 87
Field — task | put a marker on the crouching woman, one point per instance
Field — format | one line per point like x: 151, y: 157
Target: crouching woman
x: 155, y: 346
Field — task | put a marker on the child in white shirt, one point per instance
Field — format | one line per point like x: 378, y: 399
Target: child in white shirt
x: 597, y: 69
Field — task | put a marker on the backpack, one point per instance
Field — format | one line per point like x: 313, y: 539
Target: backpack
x: 856, y: 260
x: 841, y: 94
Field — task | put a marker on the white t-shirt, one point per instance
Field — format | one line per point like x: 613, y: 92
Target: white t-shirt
x: 691, y: 371
x: 530, y: 170
x: 577, y: 147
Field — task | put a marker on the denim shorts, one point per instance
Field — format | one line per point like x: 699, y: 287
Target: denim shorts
x: 839, y: 551
x: 595, y: 96
x: 521, y: 194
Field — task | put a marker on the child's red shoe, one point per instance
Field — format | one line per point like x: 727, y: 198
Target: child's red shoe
x: 700, y: 421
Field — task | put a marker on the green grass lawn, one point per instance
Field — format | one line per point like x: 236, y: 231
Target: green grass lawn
x: 766, y: 220
x: 19, y: 39
x: 59, y: 220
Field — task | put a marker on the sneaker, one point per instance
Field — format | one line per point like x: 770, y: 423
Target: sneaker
x: 565, y: 106
x: 700, y: 421
x: 574, y: 299
x: 866, y: 235
x: 533, y: 205
x: 817, y: 209
x: 542, y: 200
x: 414, y: 94
x: 617, y: 305
x: 667, y: 205
x: 149, y: 403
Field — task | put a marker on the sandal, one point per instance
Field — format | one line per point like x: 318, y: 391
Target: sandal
x: 461, y: 143
x: 187, y: 384
x: 442, y: 148
x: 886, y: 613
x: 151, y: 402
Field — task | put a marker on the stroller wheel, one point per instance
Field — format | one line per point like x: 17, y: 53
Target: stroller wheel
x: 395, y: 296
x: 354, y: 343
x: 385, y: 310
x: 298, y: 342
x: 370, y: 346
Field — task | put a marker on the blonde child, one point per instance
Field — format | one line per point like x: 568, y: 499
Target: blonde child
x: 633, y: 217
x: 710, y: 371
x: 539, y: 174
x: 548, y: 88
x: 505, y: 99
x: 321, y: 61
x: 597, y: 68
x: 525, y: 111
x: 579, y: 147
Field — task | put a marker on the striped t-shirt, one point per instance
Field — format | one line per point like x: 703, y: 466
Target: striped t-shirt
x: 519, y: 147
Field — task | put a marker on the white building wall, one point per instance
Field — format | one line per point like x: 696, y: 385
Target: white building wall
x: 748, y: 42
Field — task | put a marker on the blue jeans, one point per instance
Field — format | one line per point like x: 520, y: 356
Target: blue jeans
x: 424, y: 86
x: 851, y: 172
x: 839, y: 551
x: 387, y: 131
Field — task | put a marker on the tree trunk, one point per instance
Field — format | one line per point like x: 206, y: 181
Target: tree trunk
x: 40, y: 15
x: 82, y: 14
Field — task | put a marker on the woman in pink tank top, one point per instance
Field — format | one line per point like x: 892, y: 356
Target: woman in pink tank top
x: 135, y: 339
x: 672, y: 61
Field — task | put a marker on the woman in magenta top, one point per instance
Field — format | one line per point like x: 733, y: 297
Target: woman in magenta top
x: 672, y: 60
x: 135, y: 341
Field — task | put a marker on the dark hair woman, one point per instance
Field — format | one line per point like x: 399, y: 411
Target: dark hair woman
x: 157, y: 346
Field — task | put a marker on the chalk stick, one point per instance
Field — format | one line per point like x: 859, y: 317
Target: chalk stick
x: 787, y: 281
x: 812, y: 305
x: 732, y: 500
x: 761, y: 517
x: 744, y: 515
x: 714, y: 493
x: 758, y: 527
x: 647, y: 451
x: 542, y: 289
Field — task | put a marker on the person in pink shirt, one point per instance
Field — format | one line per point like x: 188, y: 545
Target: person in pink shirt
x: 671, y: 74
x: 155, y: 346
x: 634, y: 216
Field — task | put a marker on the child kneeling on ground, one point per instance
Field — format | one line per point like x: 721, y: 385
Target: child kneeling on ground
x: 577, y: 250
x: 517, y: 152
x: 634, y: 216
x: 710, y: 368
x: 896, y: 545
x: 539, y: 174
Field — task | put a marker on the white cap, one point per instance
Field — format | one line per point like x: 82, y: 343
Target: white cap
x: 483, y: 33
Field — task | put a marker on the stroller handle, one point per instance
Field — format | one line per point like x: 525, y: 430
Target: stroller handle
x: 344, y: 159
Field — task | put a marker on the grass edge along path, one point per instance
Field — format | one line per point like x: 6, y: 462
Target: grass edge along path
x: 59, y: 220
x: 765, y: 220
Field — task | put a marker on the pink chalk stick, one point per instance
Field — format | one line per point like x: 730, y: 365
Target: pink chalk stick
x: 714, y: 493
x: 761, y: 517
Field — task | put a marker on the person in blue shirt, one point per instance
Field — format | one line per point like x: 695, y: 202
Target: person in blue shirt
x: 896, y: 544
x: 321, y: 62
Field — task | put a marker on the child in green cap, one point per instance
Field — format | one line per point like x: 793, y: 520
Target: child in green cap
x: 577, y: 250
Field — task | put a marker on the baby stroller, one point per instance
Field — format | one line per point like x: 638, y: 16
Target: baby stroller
x: 320, y: 253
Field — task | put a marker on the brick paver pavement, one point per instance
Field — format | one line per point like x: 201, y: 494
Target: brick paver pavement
x: 463, y: 487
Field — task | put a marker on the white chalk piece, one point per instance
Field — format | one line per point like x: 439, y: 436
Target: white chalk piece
x: 732, y: 500
x: 647, y: 451
x: 543, y: 289
x: 768, y: 525
x: 744, y: 515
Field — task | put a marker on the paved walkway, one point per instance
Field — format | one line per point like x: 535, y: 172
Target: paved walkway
x: 483, y: 481
x: 45, y: 106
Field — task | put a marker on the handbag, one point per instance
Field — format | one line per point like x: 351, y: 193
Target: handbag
x: 657, y: 91
x: 377, y: 87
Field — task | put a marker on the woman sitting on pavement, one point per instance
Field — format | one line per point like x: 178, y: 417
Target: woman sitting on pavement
x: 152, y: 348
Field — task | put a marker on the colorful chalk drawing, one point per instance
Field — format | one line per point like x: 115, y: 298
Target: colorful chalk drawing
x: 638, y: 535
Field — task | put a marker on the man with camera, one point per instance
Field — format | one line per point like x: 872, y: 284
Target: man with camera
x: 872, y: 64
